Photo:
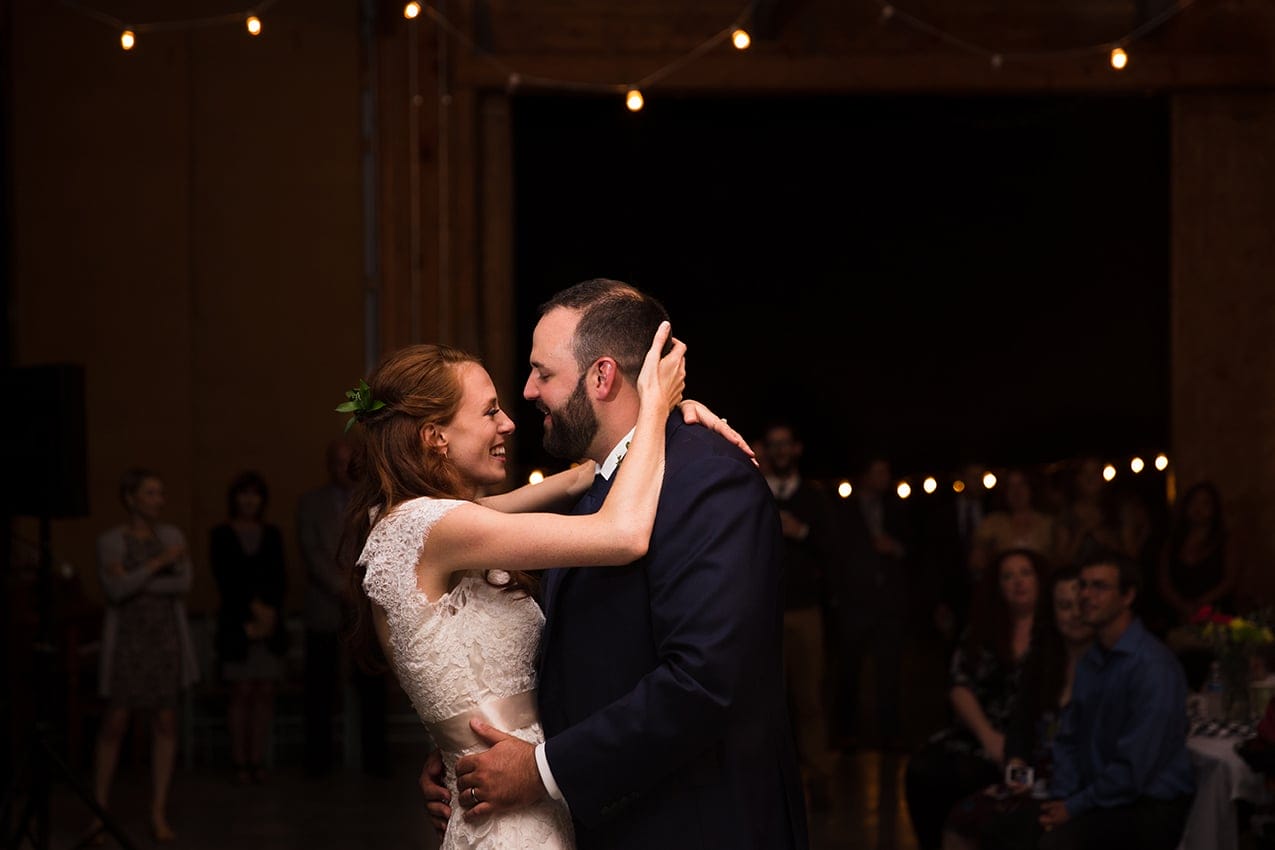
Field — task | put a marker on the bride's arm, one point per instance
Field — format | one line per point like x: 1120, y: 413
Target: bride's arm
x: 475, y: 537
x: 556, y: 493
x: 559, y: 492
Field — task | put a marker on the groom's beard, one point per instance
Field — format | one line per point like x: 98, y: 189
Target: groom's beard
x: 572, y: 429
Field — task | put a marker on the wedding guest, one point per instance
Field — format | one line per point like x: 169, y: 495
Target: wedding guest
x: 1088, y: 521
x: 246, y: 554
x: 870, y: 598
x: 1195, y: 569
x: 147, y: 657
x: 1017, y: 525
x: 1005, y: 813
x: 320, y: 519
x: 985, y: 674
x: 810, y: 545
x: 1122, y: 776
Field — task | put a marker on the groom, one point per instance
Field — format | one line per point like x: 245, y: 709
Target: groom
x: 661, y: 684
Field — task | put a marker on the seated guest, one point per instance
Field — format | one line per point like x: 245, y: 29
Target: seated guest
x: 1122, y: 777
x: 1061, y: 638
x: 986, y: 668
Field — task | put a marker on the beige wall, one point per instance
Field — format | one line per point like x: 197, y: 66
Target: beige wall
x: 188, y: 226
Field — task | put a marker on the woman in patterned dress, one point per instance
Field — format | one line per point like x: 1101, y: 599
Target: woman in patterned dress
x: 146, y: 657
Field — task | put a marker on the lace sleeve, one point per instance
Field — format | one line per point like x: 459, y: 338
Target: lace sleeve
x: 393, y: 549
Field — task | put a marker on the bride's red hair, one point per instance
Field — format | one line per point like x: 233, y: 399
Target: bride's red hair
x: 418, y: 385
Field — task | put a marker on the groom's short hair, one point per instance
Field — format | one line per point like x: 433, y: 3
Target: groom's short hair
x: 616, y: 320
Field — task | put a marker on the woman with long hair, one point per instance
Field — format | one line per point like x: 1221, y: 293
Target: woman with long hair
x: 985, y: 672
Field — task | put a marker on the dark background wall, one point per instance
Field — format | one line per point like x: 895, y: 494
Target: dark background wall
x: 944, y: 278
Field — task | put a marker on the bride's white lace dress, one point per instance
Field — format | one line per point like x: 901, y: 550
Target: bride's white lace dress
x: 469, y: 653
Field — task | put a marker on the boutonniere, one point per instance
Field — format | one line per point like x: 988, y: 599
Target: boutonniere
x: 359, y: 403
x: 623, y: 454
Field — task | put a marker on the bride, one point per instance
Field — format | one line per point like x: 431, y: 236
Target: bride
x: 445, y: 589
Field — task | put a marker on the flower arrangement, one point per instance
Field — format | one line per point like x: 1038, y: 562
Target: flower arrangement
x: 1235, y: 641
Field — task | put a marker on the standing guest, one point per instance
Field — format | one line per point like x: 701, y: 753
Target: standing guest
x: 986, y: 670
x: 147, y: 657
x: 870, y: 591
x: 247, y: 561
x: 810, y: 545
x: 1122, y: 774
x: 950, y: 540
x: 1194, y: 567
x: 320, y: 520
x: 1018, y: 525
x: 1087, y: 522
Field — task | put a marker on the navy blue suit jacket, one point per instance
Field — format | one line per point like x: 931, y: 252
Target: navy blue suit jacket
x: 661, y: 683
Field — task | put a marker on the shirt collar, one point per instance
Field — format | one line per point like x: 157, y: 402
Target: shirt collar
x: 607, y: 469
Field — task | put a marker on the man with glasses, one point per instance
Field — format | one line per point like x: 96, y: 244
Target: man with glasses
x: 1122, y: 775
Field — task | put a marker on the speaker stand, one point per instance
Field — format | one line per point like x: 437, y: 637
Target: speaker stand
x: 41, y: 764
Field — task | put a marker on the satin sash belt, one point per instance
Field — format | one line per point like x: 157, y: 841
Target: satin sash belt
x: 504, y: 713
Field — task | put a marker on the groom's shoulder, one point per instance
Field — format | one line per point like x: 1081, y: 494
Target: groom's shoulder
x: 694, y: 445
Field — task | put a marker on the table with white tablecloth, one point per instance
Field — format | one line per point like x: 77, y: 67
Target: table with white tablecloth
x: 1221, y: 779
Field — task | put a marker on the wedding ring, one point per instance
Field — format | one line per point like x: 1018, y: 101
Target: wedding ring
x: 473, y: 796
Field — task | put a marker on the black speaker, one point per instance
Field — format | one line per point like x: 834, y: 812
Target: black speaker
x: 43, y: 453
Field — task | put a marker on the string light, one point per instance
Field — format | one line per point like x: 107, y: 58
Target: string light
x: 536, y: 477
x: 633, y: 100
x: 129, y: 31
x: 844, y: 489
x: 1161, y: 462
x: 904, y: 489
x: 989, y: 480
x: 1137, y: 465
x: 734, y: 32
x: 930, y: 484
x: 1109, y: 473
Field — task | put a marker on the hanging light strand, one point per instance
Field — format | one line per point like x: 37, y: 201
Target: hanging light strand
x: 236, y: 18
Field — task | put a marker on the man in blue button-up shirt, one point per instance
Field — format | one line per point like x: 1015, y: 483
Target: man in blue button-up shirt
x: 1122, y: 775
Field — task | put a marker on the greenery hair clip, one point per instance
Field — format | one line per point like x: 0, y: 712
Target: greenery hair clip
x: 360, y: 403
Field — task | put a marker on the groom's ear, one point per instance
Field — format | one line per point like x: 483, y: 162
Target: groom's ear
x: 603, y: 380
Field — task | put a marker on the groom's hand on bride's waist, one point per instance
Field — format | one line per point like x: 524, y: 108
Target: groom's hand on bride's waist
x: 502, y: 778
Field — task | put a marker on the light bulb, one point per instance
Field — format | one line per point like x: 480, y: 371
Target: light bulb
x: 1119, y: 59
x: 128, y: 39
x: 1109, y: 473
x: 536, y: 477
x: 1162, y: 462
x: 1137, y: 465
x: 411, y: 10
x: 254, y: 25
x: 844, y: 489
x: 958, y: 486
x: 989, y: 480
x: 633, y: 100
x: 904, y: 489
x: 929, y: 484
x: 740, y: 38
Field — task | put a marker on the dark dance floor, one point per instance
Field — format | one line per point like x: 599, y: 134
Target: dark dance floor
x: 348, y: 809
